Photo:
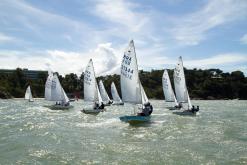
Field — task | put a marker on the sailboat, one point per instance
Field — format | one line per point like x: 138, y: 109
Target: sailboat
x: 106, y: 100
x: 168, y: 91
x: 131, y: 87
x: 28, y: 94
x: 181, y: 90
x: 115, y: 96
x: 91, y: 91
x: 55, y: 92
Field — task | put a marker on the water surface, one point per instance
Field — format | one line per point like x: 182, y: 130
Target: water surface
x: 33, y: 134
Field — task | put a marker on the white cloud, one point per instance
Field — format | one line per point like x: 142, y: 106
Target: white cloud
x: 121, y: 12
x: 217, y: 61
x: 244, y: 39
x: 5, y: 38
x: 192, y: 29
x: 105, y: 58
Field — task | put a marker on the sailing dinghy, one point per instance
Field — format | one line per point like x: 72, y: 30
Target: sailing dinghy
x: 168, y: 91
x: 28, y: 94
x: 131, y: 87
x: 91, y: 91
x: 55, y: 92
x: 115, y: 96
x: 106, y: 100
x: 182, y: 91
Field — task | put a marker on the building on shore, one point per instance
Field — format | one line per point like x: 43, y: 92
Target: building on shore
x: 29, y: 74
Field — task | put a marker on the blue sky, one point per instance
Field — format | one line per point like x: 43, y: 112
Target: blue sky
x: 63, y: 35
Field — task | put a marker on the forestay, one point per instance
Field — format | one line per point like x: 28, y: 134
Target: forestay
x: 130, y: 86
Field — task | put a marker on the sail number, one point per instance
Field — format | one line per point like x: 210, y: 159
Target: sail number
x: 125, y: 68
x: 87, y: 77
x: 165, y: 83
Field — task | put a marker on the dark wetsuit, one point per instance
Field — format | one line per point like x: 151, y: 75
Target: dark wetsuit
x: 148, y: 109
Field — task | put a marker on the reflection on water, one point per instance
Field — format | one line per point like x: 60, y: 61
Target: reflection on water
x: 31, y: 133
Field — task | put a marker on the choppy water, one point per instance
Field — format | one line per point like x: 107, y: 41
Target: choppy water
x: 33, y: 134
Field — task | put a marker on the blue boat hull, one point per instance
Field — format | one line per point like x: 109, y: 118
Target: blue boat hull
x: 135, y: 119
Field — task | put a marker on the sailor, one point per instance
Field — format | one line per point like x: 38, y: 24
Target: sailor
x: 96, y: 105
x: 101, y: 106
x: 197, y: 108
x: 147, y: 110
x: 110, y: 102
x: 178, y: 106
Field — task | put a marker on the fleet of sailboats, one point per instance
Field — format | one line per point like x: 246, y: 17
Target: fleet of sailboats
x: 28, y: 94
x: 96, y: 97
x: 91, y: 91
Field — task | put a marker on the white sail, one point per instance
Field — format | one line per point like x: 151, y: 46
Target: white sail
x: 144, y: 96
x: 130, y: 86
x: 114, y: 93
x: 54, y: 91
x: 99, y: 98
x: 28, y: 94
x: 91, y: 90
x: 103, y: 92
x: 179, y: 83
x: 65, y: 97
x: 189, y: 102
x: 48, y: 86
x: 167, y: 88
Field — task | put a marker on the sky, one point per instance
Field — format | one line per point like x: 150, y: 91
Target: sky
x: 62, y: 35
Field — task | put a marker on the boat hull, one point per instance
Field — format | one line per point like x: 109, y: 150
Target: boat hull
x: 135, y: 119
x: 173, y: 108
x: 186, y: 113
x: 117, y: 103
x: 92, y: 111
x: 59, y: 107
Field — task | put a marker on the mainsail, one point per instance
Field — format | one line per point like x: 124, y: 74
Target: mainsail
x: 130, y: 83
x: 103, y: 92
x: 48, y: 86
x: 28, y: 94
x: 91, y: 90
x: 114, y: 93
x: 179, y: 82
x: 167, y: 88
